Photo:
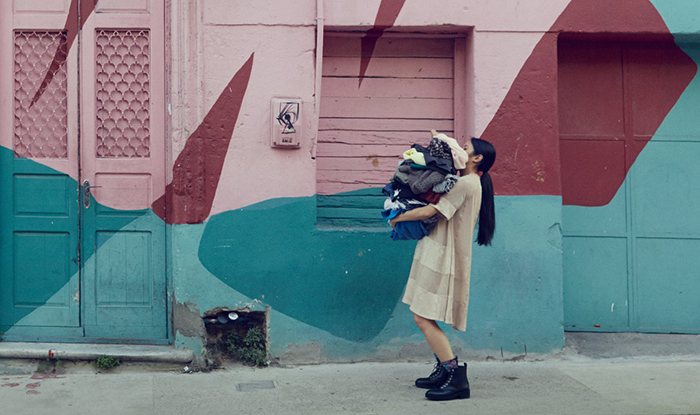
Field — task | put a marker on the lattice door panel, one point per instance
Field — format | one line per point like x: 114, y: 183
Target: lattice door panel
x: 40, y: 94
x: 122, y: 60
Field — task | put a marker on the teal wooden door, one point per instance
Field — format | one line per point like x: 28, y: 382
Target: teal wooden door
x: 39, y: 212
x: 81, y: 161
x: 629, y: 185
x: 39, y: 277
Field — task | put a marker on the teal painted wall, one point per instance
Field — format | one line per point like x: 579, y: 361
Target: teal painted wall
x: 681, y: 16
x: 341, y: 289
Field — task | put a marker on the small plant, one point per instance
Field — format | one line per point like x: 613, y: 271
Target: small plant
x: 44, y: 366
x: 250, y: 349
x: 104, y: 362
x: 50, y: 365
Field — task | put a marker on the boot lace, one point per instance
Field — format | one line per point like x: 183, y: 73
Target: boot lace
x: 436, y: 371
x: 449, y: 379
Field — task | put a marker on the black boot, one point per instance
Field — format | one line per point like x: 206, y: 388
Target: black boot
x: 437, y: 378
x: 455, y: 387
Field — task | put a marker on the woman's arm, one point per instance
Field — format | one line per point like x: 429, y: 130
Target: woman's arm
x: 416, y: 214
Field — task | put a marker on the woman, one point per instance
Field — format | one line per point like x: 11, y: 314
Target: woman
x: 438, y: 285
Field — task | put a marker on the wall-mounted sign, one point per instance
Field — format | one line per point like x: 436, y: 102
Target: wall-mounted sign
x: 286, y: 122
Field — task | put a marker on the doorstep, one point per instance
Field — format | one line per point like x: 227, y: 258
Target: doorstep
x: 89, y: 351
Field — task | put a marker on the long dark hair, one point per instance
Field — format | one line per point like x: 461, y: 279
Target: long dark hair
x: 487, y: 214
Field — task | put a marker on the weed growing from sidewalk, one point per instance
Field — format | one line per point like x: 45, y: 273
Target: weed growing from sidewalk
x: 51, y: 366
x: 250, y: 349
x: 105, y: 362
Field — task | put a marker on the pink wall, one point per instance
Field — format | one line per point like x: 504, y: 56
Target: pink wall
x: 211, y: 39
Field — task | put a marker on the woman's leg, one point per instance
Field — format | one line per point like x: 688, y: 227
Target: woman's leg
x: 436, y: 338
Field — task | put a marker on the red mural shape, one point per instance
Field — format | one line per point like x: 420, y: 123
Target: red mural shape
x: 197, y: 170
x: 74, y: 22
x: 529, y: 117
x: 386, y: 17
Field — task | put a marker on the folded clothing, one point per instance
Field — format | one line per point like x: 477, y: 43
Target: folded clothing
x: 420, y: 181
x: 459, y: 155
x: 446, y: 185
x: 402, y: 175
x: 415, y: 155
x: 430, y: 196
x: 438, y: 164
x: 440, y: 149
x: 402, y: 231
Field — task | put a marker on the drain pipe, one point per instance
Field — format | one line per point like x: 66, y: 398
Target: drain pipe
x: 319, y: 72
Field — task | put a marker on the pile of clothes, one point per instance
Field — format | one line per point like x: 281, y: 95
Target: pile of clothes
x: 420, y: 179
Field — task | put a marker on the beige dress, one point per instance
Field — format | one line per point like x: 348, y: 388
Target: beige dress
x: 438, y: 285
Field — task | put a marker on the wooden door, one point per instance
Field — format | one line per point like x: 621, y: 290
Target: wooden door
x: 39, y: 234
x: 122, y: 156
x: 81, y: 161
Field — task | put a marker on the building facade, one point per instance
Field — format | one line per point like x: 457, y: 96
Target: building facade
x: 164, y: 160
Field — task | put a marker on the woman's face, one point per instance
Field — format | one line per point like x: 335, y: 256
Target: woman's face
x: 469, y: 148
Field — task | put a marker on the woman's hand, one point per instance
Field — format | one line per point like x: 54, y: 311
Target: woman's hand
x: 392, y: 222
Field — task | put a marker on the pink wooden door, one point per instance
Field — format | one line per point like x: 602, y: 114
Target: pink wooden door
x: 122, y: 160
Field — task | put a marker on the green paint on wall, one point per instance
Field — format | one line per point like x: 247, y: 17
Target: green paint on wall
x: 335, y: 280
x: 681, y: 16
x: 341, y: 289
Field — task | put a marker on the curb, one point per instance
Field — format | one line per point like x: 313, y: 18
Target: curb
x: 69, y: 351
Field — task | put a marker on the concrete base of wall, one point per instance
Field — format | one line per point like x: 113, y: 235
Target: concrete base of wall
x: 612, y: 345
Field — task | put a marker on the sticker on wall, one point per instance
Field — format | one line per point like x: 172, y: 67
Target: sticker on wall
x: 286, y: 116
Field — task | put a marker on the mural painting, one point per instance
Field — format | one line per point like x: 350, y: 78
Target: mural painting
x: 341, y: 287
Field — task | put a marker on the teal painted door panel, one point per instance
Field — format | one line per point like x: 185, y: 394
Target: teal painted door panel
x: 667, y: 189
x: 595, y: 297
x: 125, y: 274
x: 668, y: 285
x: 608, y: 220
x: 667, y: 229
x: 39, y: 279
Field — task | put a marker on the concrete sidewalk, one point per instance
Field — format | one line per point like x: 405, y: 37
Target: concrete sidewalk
x: 576, y: 385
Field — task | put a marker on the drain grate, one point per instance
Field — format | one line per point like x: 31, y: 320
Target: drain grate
x: 251, y: 386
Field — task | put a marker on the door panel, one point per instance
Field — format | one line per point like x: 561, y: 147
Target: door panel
x: 594, y: 270
x: 665, y: 194
x: 668, y: 284
x: 124, y: 6
x: 40, y: 6
x: 127, y: 273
